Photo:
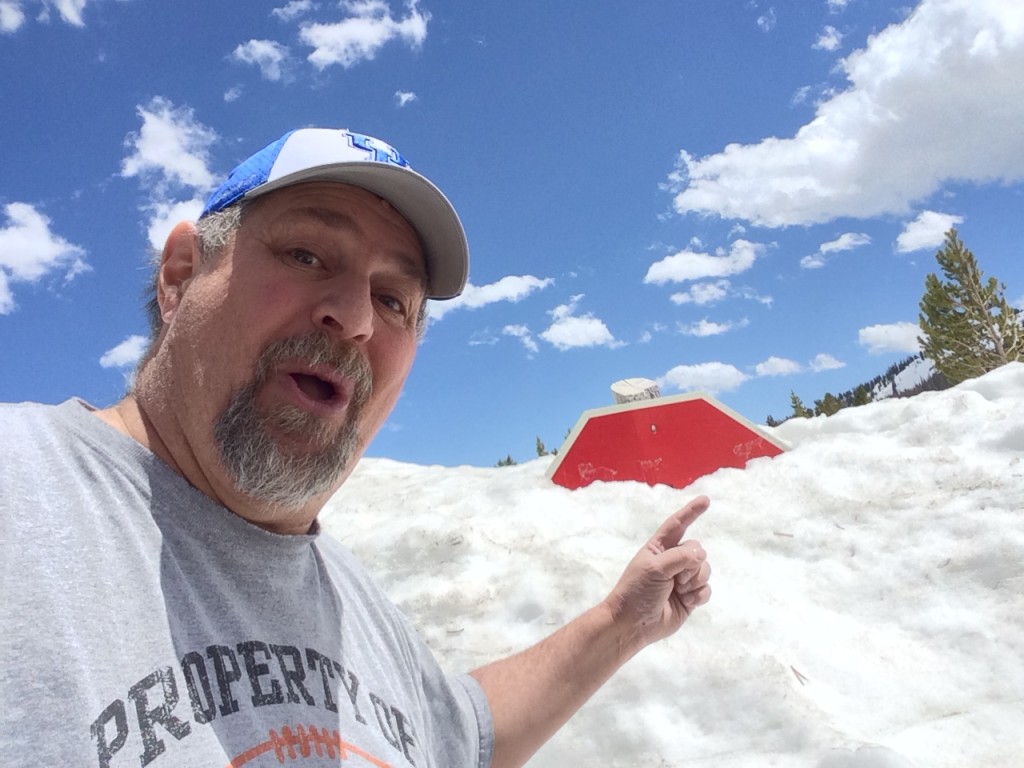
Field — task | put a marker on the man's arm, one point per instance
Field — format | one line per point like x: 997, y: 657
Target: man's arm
x: 533, y: 693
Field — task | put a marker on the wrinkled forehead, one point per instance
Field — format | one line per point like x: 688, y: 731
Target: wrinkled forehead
x: 343, y: 209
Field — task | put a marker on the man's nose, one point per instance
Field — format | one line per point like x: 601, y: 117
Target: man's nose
x: 345, y: 310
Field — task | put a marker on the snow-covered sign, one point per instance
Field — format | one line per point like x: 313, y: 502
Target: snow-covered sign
x: 669, y: 440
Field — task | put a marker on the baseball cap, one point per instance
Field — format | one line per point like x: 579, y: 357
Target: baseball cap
x: 328, y: 154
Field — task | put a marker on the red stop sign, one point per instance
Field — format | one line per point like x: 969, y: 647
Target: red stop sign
x: 669, y: 440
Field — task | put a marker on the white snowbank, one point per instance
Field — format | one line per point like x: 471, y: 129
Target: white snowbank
x: 868, y: 607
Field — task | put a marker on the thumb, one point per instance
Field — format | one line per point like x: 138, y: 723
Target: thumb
x: 682, y: 558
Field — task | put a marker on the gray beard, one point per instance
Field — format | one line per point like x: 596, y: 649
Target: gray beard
x: 267, y: 469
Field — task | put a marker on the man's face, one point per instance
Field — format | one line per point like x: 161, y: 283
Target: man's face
x: 291, y: 348
x: 257, y: 445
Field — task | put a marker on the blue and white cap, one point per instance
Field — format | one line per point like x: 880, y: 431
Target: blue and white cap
x: 327, y: 154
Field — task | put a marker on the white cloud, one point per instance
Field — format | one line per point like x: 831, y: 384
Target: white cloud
x: 511, y: 288
x: 169, y: 155
x: 928, y: 230
x: 835, y: 6
x: 933, y: 98
x: 11, y: 16
x: 767, y: 21
x: 750, y: 294
x: 706, y: 327
x: 404, y: 97
x: 265, y: 54
x: 125, y: 354
x: 648, y: 334
x: 71, y: 11
x: 522, y: 333
x: 30, y: 251
x: 360, y: 36
x: 567, y: 309
x: 845, y: 242
x: 691, y: 265
x: 703, y: 293
x: 896, y: 337
x: 164, y: 214
x: 801, y: 95
x: 825, y: 362
x: 777, y: 366
x: 483, y: 338
x: 172, y: 148
x: 569, y: 331
x: 829, y: 39
x: 292, y: 10
x: 712, y: 377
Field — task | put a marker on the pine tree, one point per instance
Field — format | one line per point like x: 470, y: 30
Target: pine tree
x: 967, y: 326
x: 800, y: 411
x: 828, y: 405
x: 861, y: 395
x: 541, y: 450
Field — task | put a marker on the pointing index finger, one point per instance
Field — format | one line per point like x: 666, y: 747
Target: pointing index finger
x: 674, y: 528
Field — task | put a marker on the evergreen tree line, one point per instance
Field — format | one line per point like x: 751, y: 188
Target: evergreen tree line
x: 508, y: 461
x: 864, y: 393
x: 968, y: 328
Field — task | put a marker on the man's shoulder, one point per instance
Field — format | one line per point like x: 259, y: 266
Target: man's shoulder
x: 22, y: 407
x: 30, y: 432
x: 32, y: 409
x: 18, y: 418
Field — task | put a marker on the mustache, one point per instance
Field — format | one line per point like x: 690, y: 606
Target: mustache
x: 261, y: 465
x: 318, y: 348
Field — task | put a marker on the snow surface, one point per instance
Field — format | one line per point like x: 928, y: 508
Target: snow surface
x: 868, y: 606
x: 919, y: 370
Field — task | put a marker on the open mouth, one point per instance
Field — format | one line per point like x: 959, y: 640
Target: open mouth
x: 316, y: 389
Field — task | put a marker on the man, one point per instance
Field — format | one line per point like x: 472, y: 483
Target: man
x: 168, y: 598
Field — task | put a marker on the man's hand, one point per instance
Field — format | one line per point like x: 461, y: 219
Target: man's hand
x: 659, y: 589
x: 665, y: 582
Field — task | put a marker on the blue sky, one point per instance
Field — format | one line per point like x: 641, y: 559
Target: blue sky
x: 736, y: 197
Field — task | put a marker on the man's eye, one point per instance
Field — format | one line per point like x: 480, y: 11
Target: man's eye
x: 392, y: 303
x: 303, y: 257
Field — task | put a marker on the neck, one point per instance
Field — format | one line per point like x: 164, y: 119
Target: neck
x: 158, y: 430
x: 128, y: 418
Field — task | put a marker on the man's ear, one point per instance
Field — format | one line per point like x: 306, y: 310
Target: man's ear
x: 179, y: 261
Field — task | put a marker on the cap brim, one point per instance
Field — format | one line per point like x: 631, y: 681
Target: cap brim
x: 421, y: 203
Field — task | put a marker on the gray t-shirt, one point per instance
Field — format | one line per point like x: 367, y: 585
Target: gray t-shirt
x: 141, y: 623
